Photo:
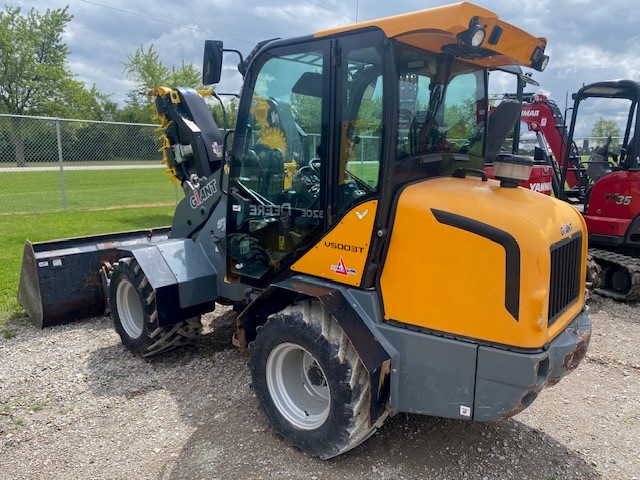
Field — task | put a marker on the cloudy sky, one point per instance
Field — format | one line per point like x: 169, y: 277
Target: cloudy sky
x: 588, y: 40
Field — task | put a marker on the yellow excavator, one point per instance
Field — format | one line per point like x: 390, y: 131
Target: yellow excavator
x: 384, y: 272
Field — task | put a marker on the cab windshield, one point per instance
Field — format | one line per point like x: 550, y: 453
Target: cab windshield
x: 442, y: 105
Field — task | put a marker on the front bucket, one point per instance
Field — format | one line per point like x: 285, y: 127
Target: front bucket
x: 60, y: 280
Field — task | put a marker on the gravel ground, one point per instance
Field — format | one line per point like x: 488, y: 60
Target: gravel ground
x: 74, y: 404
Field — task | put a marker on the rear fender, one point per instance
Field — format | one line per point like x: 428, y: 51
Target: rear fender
x: 373, y: 350
x: 182, y: 276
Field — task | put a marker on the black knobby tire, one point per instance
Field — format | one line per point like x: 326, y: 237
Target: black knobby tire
x: 248, y: 256
x: 132, y: 301
x: 308, y: 327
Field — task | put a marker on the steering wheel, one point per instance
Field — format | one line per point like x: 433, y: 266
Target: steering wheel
x: 315, y: 164
x: 428, y: 137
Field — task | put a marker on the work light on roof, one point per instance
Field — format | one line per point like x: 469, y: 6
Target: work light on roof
x: 541, y: 64
x: 474, y: 35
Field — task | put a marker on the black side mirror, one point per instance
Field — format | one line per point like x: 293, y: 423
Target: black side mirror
x: 212, y: 64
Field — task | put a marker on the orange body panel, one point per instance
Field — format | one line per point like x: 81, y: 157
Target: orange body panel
x: 433, y: 28
x: 342, y: 253
x: 451, y: 280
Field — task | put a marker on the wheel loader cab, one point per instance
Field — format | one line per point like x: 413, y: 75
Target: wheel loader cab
x: 319, y: 123
x: 308, y: 147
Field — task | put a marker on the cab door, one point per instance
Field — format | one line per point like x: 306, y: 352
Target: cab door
x: 277, y: 177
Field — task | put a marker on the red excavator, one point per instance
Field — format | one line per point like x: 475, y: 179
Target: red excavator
x: 504, y: 121
x: 606, y: 185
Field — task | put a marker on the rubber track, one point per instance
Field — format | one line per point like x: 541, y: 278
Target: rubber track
x: 631, y: 264
x: 594, y: 273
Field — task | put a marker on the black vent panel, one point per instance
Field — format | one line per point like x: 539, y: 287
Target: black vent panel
x: 566, y: 265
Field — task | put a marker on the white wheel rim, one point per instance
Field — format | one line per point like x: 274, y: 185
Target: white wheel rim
x: 129, y: 309
x: 298, y: 386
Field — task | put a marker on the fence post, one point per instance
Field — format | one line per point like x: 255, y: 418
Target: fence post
x: 61, y: 160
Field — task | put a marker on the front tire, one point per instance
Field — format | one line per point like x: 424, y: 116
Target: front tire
x: 132, y: 302
x: 310, y: 381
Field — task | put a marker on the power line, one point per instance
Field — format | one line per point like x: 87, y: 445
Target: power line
x: 331, y: 10
x: 166, y: 22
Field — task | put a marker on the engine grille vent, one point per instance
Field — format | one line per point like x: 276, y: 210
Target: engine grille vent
x: 566, y: 263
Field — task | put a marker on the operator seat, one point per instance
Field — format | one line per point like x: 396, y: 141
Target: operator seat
x: 501, y: 121
x: 598, y: 165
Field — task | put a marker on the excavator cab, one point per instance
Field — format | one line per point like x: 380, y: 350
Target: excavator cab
x: 612, y: 155
x: 609, y: 194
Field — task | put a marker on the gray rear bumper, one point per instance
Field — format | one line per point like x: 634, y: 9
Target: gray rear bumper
x: 507, y: 382
x: 443, y: 377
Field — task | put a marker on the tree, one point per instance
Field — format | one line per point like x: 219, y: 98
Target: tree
x: 147, y: 71
x: 231, y: 113
x: 603, y: 128
x: 461, y: 119
x: 34, y: 78
x: 305, y: 109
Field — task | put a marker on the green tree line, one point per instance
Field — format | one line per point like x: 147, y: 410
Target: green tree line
x: 35, y: 80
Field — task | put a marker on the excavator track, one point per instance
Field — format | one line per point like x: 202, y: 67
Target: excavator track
x: 620, y: 277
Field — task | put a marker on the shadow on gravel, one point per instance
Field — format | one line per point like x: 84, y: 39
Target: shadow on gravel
x: 210, y: 385
x: 239, y: 443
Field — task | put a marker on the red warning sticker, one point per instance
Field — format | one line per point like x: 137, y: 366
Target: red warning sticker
x: 341, y: 269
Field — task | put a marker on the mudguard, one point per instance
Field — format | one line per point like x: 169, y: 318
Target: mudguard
x: 372, y: 348
x: 181, y: 274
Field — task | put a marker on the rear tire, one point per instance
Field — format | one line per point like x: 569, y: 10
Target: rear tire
x: 132, y: 302
x: 310, y: 382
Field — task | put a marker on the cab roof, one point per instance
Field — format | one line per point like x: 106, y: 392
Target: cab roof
x: 435, y: 28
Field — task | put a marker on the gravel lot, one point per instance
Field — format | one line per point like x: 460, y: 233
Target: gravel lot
x: 74, y: 404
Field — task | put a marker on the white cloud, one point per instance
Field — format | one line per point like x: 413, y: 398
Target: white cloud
x: 588, y: 40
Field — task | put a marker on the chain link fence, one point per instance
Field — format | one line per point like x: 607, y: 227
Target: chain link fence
x: 49, y: 164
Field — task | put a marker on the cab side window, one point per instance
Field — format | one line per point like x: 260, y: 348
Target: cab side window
x: 276, y: 183
x: 360, y: 151
x: 284, y: 123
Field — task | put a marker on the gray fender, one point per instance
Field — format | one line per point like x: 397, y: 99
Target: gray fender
x: 181, y: 274
x: 374, y: 350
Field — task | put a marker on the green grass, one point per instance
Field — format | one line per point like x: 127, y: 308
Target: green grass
x: 39, y: 406
x: 48, y: 226
x: 40, y: 191
x: 365, y: 171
